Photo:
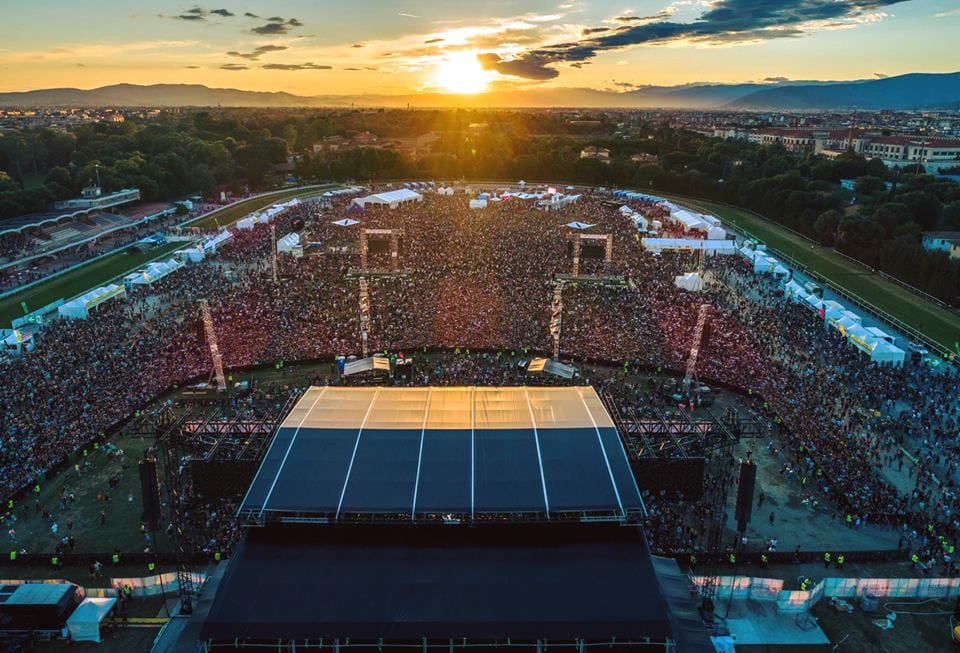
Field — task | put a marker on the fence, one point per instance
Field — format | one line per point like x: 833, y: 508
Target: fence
x: 157, y: 585
x: 798, y: 601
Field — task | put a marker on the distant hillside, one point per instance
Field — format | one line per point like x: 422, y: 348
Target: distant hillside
x: 913, y: 91
x: 154, y: 95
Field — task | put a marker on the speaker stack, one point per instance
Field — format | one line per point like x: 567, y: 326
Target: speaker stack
x: 745, y: 489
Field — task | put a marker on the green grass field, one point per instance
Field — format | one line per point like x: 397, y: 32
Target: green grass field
x: 78, y: 281
x: 103, y: 270
x: 233, y: 213
x: 937, y: 323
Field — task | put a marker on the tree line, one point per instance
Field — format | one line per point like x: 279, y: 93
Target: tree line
x: 879, y: 222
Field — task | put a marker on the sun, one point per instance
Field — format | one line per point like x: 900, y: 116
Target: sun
x: 462, y: 73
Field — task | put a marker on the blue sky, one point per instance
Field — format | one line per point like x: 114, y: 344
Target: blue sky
x: 409, y: 46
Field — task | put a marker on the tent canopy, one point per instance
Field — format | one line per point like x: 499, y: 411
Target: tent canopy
x: 84, y: 624
x: 391, y: 198
x: 579, y: 225
x: 346, y: 222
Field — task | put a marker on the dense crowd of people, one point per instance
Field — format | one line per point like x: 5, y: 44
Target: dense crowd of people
x: 484, y: 280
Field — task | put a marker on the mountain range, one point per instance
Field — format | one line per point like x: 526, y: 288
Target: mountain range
x: 911, y: 91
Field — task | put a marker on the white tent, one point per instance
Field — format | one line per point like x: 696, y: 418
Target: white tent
x: 888, y: 353
x: 691, y: 281
x: 246, y: 224
x: 716, y: 233
x: 673, y: 244
x: 626, y: 210
x: 153, y: 272
x: 290, y: 244
x: 794, y: 291
x: 687, y: 218
x: 192, y: 255
x: 84, y: 624
x: 16, y: 341
x: 478, y: 204
x: 879, y: 333
x: 579, y: 225
x: 80, y: 307
x: 346, y: 222
x: 392, y: 198
x: 445, y: 190
x: 211, y: 244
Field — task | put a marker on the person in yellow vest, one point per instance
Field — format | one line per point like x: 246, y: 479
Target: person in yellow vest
x: 956, y: 636
x: 840, y: 561
x: 764, y: 560
x: 826, y: 559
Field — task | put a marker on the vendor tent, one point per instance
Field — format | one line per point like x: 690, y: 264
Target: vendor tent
x: 794, y: 291
x: 478, y: 204
x: 716, y: 233
x: 16, y: 341
x: 80, y: 307
x: 888, y: 354
x: 290, y: 244
x: 691, y: 281
x: 683, y: 244
x: 153, y: 272
x: 392, y: 198
x: 84, y: 624
x: 346, y: 222
x: 578, y: 225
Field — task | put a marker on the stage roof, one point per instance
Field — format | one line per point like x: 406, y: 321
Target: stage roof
x: 455, y: 453
x: 527, y: 582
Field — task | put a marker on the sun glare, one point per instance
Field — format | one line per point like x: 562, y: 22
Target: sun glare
x: 462, y: 73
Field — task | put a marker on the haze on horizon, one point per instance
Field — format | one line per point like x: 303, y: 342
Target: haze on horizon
x: 399, y: 47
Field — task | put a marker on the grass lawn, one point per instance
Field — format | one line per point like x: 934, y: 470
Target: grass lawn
x: 231, y: 214
x: 937, y: 323
x: 84, y: 278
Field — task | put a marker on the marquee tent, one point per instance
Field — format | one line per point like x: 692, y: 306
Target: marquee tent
x: 346, y: 222
x: 79, y: 308
x: 674, y: 244
x: 84, y: 624
x: 716, y: 233
x: 392, y: 198
x: 16, y: 341
x: 691, y: 281
x: 578, y: 225
x: 478, y: 204
x: 796, y: 292
x: 290, y: 244
x: 687, y: 218
x: 211, y: 244
x: 192, y: 255
x: 879, y: 333
x: 153, y: 272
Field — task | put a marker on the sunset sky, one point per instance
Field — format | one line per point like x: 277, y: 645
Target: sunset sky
x: 410, y: 46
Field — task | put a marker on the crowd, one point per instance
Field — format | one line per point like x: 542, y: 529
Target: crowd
x: 483, y: 279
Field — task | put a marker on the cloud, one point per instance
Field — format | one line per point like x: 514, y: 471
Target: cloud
x: 192, y: 67
x: 595, y: 30
x: 880, y: 75
x: 197, y: 10
x: 949, y: 12
x: 189, y: 17
x: 725, y: 21
x: 276, y: 19
x: 81, y: 65
x: 271, y: 28
x: 406, y: 15
x: 776, y: 80
x: 295, y: 66
x: 222, y: 12
x: 257, y: 51
x: 234, y: 66
x: 430, y: 41
x: 353, y: 69
x: 529, y: 66
x: 357, y: 45
x: 250, y: 15
x: 293, y: 22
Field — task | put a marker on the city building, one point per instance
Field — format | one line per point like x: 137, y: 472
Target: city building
x: 942, y: 241
x: 92, y: 197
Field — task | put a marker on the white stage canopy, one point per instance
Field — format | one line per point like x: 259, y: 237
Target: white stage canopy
x: 392, y: 198
x: 346, y: 222
x: 290, y: 244
x: 579, y: 225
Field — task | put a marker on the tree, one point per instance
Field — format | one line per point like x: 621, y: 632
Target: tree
x: 825, y: 227
x: 870, y: 185
x: 859, y: 238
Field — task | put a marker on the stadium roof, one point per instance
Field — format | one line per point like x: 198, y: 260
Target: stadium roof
x: 551, y: 582
x: 454, y: 453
